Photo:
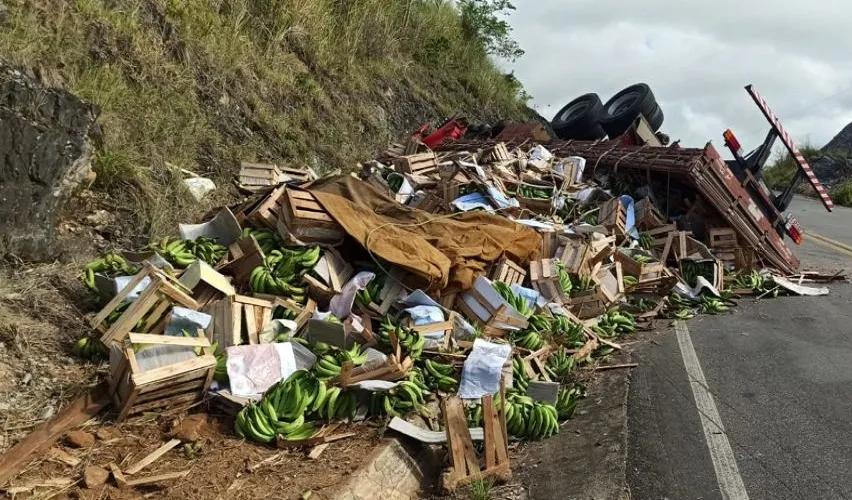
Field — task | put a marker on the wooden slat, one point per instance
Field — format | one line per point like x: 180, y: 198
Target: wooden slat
x: 164, y: 372
x: 152, y: 457
x: 134, y: 312
x: 171, y: 402
x: 145, y: 338
x: 158, y: 478
x: 175, y: 388
x: 119, y: 298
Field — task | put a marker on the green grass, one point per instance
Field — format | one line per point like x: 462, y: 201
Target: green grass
x: 842, y: 194
x: 783, y: 168
x: 481, y: 489
x: 204, y: 84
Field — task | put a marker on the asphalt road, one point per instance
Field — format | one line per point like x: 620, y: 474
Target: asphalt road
x: 752, y: 404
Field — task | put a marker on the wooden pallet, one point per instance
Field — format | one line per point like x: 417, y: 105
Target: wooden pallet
x: 425, y: 164
x: 544, y: 275
x: 154, y: 304
x: 465, y: 466
x: 234, y: 316
x: 508, y: 272
x: 136, y: 390
x: 305, y: 219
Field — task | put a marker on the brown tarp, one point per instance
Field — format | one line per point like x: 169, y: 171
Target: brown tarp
x: 445, y: 252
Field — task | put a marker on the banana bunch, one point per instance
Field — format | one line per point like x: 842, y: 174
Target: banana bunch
x: 412, y: 340
x: 646, y: 241
x: 712, y: 305
x: 373, y: 290
x: 564, y: 278
x: 416, y: 376
x: 439, y: 376
x: 281, y: 312
x: 629, y: 281
x: 615, y: 322
x: 692, y: 270
x: 519, y: 374
x: 173, y: 250
x: 206, y: 249
x: 253, y: 422
x: 327, y: 366
x: 566, y: 400
x: 590, y: 217
x: 680, y: 307
x: 221, y: 373
x: 111, y: 264
x: 528, y: 419
x: 335, y: 403
x: 520, y: 304
x: 116, y: 313
x: 642, y: 304
x: 568, y: 333
x: 535, y: 193
x: 281, y: 410
x: 281, y: 269
x: 757, y: 283
x: 560, y: 364
x: 473, y: 412
x: 583, y: 283
x: 91, y: 348
x: 642, y: 259
x: 267, y: 239
x: 529, y: 339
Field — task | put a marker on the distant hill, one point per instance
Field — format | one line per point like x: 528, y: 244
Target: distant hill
x: 834, y: 163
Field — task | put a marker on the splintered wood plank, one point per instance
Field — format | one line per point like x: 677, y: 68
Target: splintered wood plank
x: 251, y: 323
x: 158, y: 478
x: 152, y: 457
x: 45, y: 434
x: 119, y: 298
x: 488, y: 424
x: 145, y: 338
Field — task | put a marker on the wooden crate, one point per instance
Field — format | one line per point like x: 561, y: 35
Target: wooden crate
x: 206, y: 283
x: 259, y: 175
x: 297, y: 175
x: 244, y: 255
x: 588, y: 303
x: 497, y: 153
x: 233, y: 316
x: 391, y: 291
x: 428, y: 202
x: 266, y: 212
x: 544, y: 275
x: 484, y: 306
x: 508, y: 272
x: 465, y: 466
x: 335, y: 272
x: 661, y: 234
x: 305, y: 219
x: 723, y: 237
x: 647, y: 215
x: 136, y: 389
x: 551, y: 241
x: 574, y: 254
x: 643, y: 272
x: 154, y: 304
x: 302, y: 312
x: 425, y: 164
x: 613, y: 216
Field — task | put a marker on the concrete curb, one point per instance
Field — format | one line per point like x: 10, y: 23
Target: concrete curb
x: 397, y: 470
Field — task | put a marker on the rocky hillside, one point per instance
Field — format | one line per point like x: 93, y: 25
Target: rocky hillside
x: 203, y: 84
x: 834, y: 164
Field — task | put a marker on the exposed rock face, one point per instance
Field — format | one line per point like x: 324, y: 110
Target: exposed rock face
x: 44, y: 155
x: 834, y: 164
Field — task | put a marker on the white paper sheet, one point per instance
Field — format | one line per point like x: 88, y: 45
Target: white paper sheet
x: 483, y: 369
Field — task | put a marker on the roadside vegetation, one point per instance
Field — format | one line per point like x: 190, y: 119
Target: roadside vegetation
x: 204, y: 84
x: 781, y: 172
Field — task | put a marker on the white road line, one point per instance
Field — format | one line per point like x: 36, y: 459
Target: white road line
x: 727, y: 473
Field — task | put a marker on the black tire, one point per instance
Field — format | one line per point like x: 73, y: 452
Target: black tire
x: 623, y: 108
x: 656, y: 119
x: 580, y: 119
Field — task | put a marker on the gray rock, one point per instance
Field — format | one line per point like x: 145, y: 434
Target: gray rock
x: 44, y: 155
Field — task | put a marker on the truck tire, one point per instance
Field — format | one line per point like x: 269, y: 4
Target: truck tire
x: 624, y: 107
x: 580, y: 119
x: 656, y: 118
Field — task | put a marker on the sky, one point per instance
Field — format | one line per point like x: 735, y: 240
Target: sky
x: 696, y: 56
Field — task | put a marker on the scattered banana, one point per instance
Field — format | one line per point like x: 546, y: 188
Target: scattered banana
x: 583, y: 283
x: 412, y: 340
x: 615, y: 322
x: 564, y: 278
x: 566, y: 401
x: 438, y: 376
x: 267, y: 239
x: 173, y: 250
x: 712, y: 305
x: 528, y: 419
x: 646, y: 241
x: 206, y: 249
x: 560, y: 364
x: 567, y: 333
x: 91, y: 348
x: 371, y: 294
x: 283, y: 270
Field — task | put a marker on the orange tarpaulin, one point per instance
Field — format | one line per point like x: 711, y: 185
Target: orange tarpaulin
x: 445, y: 252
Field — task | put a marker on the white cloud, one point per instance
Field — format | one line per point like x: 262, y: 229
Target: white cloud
x: 697, y: 57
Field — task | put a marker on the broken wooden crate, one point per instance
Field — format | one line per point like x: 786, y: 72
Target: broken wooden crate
x: 465, y: 465
x: 244, y: 255
x: 165, y: 373
x: 483, y: 305
x: 607, y: 289
x: 424, y: 164
x: 303, y: 218
x: 206, y: 283
x: 544, y: 275
x: 392, y: 289
x: 724, y: 245
x: 265, y: 212
x: 149, y: 312
x: 332, y: 273
x: 647, y: 216
x: 237, y: 317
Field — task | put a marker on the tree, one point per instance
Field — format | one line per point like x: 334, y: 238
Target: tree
x: 483, y: 21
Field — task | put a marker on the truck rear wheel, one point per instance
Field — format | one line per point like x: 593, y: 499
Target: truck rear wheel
x: 580, y: 119
x: 624, y: 107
